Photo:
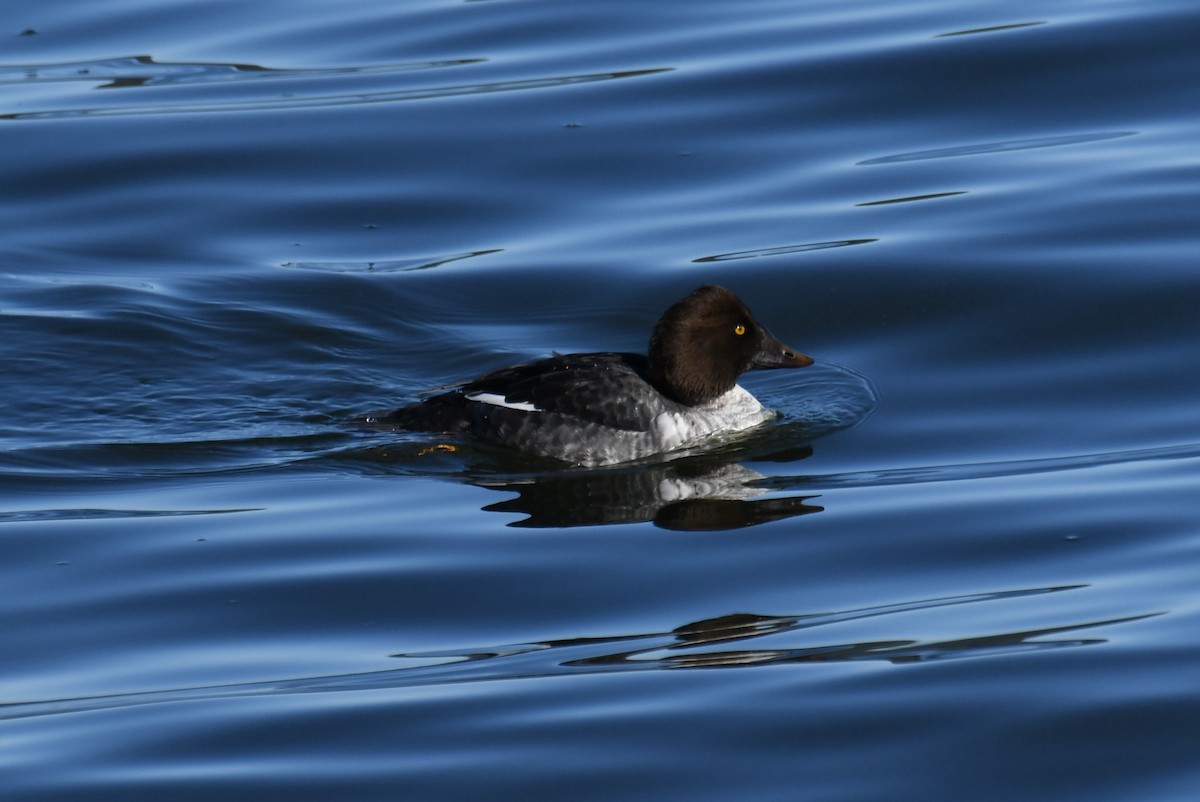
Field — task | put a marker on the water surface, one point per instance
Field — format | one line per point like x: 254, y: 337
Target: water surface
x: 962, y: 566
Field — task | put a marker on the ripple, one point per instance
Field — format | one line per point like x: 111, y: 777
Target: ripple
x: 692, y: 645
x: 997, y: 147
x: 107, y: 462
x: 824, y: 398
x: 135, y: 71
x: 296, y: 100
x: 403, y: 265
x: 984, y: 470
x: 21, y: 516
x: 784, y: 249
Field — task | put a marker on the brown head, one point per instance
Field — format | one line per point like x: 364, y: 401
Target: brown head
x: 703, y: 343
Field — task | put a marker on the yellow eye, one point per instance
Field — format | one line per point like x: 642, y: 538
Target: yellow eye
x: 739, y: 329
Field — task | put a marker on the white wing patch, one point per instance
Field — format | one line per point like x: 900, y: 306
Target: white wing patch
x: 497, y: 400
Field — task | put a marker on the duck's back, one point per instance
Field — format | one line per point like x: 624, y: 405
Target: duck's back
x: 586, y: 408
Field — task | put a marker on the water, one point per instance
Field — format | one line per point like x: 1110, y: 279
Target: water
x: 963, y: 568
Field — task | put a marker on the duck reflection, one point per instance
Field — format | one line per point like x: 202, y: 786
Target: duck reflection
x: 698, y: 494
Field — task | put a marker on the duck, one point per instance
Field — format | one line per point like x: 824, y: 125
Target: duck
x: 605, y: 408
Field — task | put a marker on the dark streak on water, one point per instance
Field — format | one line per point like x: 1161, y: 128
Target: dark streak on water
x: 997, y: 147
x: 784, y: 249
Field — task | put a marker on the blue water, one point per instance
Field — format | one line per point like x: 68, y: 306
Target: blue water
x: 964, y: 566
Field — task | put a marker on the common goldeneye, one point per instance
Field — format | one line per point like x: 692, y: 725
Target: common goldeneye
x: 604, y: 408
